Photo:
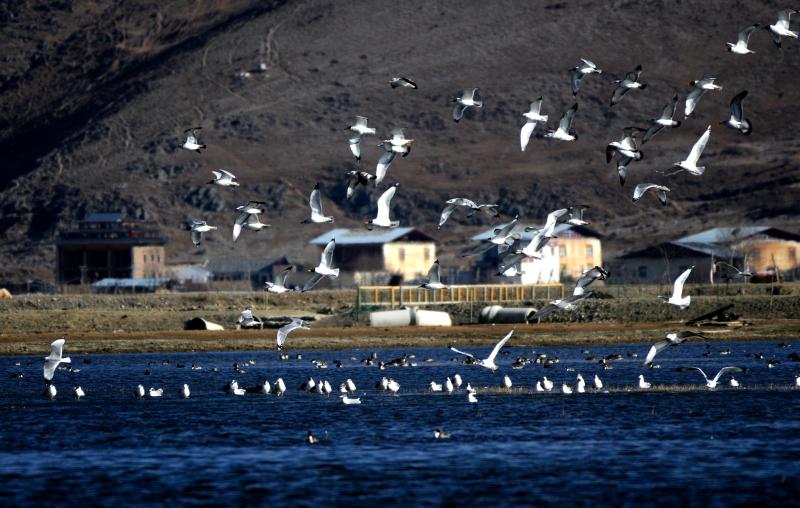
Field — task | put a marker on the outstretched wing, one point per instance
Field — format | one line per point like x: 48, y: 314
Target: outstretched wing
x: 461, y: 352
x: 313, y: 281
x: 699, y: 146
x: 566, y: 119
x: 315, y: 201
x: 499, y: 346
x: 736, y: 106
x: 545, y: 311
x: 458, y: 111
x: 619, y: 92
x: 677, y: 290
x: 385, y: 203
x: 692, y: 99
x: 575, y: 77
x: 280, y: 279
x: 698, y: 369
x: 446, y: 213
x: 433, y: 273
x: 654, y: 350
x: 383, y: 166
x: 725, y: 370
x: 651, y: 132
x: 355, y: 146
x: 525, y: 133
x: 327, y: 255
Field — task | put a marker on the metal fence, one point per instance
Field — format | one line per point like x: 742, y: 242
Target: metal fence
x: 399, y: 296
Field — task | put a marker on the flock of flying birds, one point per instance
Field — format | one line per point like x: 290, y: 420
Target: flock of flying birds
x: 505, y: 238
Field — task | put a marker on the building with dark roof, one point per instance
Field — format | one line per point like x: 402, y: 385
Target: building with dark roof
x: 763, y: 250
x: 257, y: 271
x: 380, y: 256
x: 108, y: 245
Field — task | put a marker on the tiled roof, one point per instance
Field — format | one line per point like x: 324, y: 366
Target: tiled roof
x: 358, y: 236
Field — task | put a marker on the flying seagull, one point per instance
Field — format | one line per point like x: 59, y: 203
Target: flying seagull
x: 502, y: 237
x: 489, y: 361
x: 248, y: 218
x: 730, y: 271
x: 740, y: 48
x: 564, y: 131
x: 577, y: 74
x: 55, y: 357
x: 279, y: 285
x: 589, y: 276
x: 568, y: 303
x: 192, y: 142
x: 671, y: 339
x: 626, y: 146
x: 284, y: 330
x: 434, y: 280
x: 699, y: 87
x: 712, y: 383
x: 642, y: 188
x: 401, y: 81
x: 398, y: 143
x: 468, y: 98
x: 677, y: 291
x: 452, y: 204
x: 357, y: 178
x: 324, y: 268
x: 533, y: 118
x: 690, y: 163
x: 315, y: 202
x: 737, y: 120
x: 224, y: 178
x: 629, y: 82
x: 383, y: 163
x: 361, y: 129
x: 622, y: 167
x: 199, y: 227
x: 384, y: 208
x: 575, y: 215
x: 781, y: 27
x: 665, y: 120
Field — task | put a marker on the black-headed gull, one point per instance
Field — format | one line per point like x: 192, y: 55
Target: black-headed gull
x: 626, y: 146
x: 740, y: 48
x: 577, y: 74
x: 712, y: 383
x: 737, y: 120
x: 781, y: 27
x: 224, y: 178
x: 315, y: 203
x: 564, y: 132
x: 690, y: 163
x: 279, y: 284
x: 357, y: 178
x: 487, y: 362
x: 699, y: 87
x: 325, y: 267
x: 671, y: 339
x: 452, y: 204
x: 55, y: 357
x: 644, y: 385
x: 199, y: 227
x: 248, y: 218
x: 677, y: 297
x: 730, y: 271
x: 533, y: 118
x: 642, y: 188
x: 434, y: 280
x: 665, y: 120
x: 361, y: 130
x: 404, y: 82
x: 629, y: 82
x: 384, y: 208
x: 284, y: 330
x: 192, y: 142
x: 468, y: 98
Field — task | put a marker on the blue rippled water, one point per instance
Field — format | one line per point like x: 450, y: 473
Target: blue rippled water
x: 696, y: 448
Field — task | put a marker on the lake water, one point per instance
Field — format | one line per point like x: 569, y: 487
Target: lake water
x: 626, y: 447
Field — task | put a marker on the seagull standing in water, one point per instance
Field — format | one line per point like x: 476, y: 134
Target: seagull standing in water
x: 434, y: 280
x: 644, y: 385
x: 468, y: 98
x: 487, y: 362
x: 677, y: 291
x: 629, y: 82
x: 384, y: 208
x: 192, y: 142
x: 324, y: 269
x: 361, y: 129
x: 279, y: 285
x: 197, y: 228
x: 671, y: 339
x: 284, y: 330
x: 712, y: 383
x: 598, y: 384
x: 533, y: 118
x: 315, y: 202
x: 185, y: 391
x: 700, y: 87
x: 55, y: 357
x: 564, y: 132
x: 781, y: 27
x: 224, y: 179
x: 78, y: 391
x: 665, y: 120
x: 740, y: 48
x: 577, y: 74
x: 737, y: 120
x: 642, y: 188
x: 452, y: 204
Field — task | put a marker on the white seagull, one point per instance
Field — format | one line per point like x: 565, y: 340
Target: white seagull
x: 468, y: 98
x: 471, y: 398
x: 357, y: 178
x: 740, y: 48
x: 248, y: 218
x: 78, y: 391
x: 284, y: 330
x: 153, y: 392
x: 644, y: 385
x: 677, y: 291
x: 384, y: 208
x: 665, y: 120
x: 548, y: 385
x: 434, y: 280
x: 192, y: 142
x: 598, y: 384
x: 452, y: 204
x: 577, y: 74
x: 279, y: 285
x: 224, y: 179
x: 507, y: 382
x: 139, y: 391
x: 730, y: 271
x: 436, y: 387
x: 349, y: 401
x: 55, y: 357
x: 324, y: 269
x: 712, y: 383
x: 737, y: 120
x: 197, y: 228
x: 401, y: 81
x: 361, y: 129
x: 315, y: 202
x: 626, y: 146
x: 629, y: 82
x: 781, y: 27
x: 581, y: 386
x: 642, y: 188
x: 565, y: 389
x: 690, y: 163
x: 489, y: 361
x: 700, y: 86
x: 185, y: 391
x: 50, y: 392
x: 564, y: 131
x: 533, y: 118
x: 671, y: 339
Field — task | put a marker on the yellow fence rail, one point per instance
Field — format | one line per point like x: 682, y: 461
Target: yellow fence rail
x: 399, y: 296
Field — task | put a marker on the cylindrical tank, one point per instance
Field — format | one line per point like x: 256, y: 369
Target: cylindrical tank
x: 498, y: 314
x: 410, y: 316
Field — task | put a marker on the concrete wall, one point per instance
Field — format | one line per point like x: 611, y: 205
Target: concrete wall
x: 409, y: 259
x: 148, y: 262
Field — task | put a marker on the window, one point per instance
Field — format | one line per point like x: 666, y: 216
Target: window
x: 589, y: 251
x: 643, y: 272
x: 401, y: 252
x: 562, y: 251
x: 427, y: 254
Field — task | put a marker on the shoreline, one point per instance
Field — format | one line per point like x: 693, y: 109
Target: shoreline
x: 361, y: 337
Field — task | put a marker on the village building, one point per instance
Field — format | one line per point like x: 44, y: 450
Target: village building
x: 109, y: 245
x: 764, y: 251
x: 381, y: 256
x: 249, y: 273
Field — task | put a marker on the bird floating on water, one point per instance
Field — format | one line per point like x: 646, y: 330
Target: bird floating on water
x: 644, y: 385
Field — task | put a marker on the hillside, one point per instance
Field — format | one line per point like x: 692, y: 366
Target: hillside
x: 94, y: 100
